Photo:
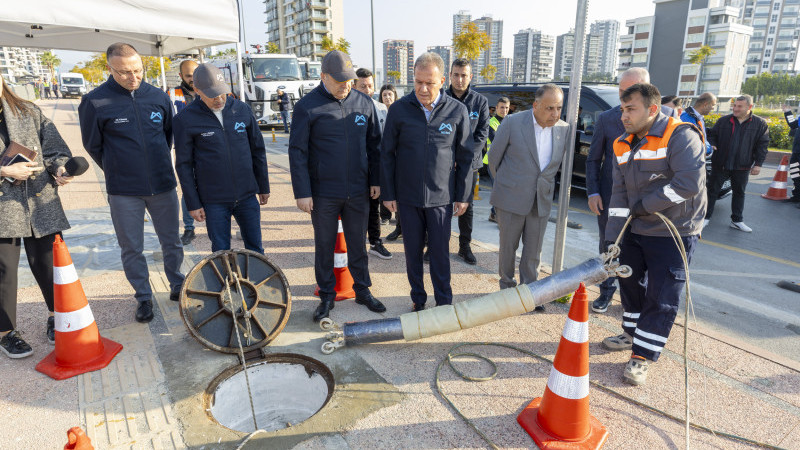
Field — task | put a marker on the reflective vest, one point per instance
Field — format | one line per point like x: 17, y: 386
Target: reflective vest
x: 176, y: 95
x: 654, y: 148
x: 493, y: 124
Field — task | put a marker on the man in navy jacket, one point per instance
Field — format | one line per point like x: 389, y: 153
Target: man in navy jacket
x: 334, y: 162
x: 221, y: 161
x: 126, y: 126
x: 426, y: 172
x: 599, y: 169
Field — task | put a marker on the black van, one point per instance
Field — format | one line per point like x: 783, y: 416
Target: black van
x: 595, y: 99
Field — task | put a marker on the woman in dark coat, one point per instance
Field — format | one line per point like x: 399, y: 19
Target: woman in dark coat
x: 30, y: 211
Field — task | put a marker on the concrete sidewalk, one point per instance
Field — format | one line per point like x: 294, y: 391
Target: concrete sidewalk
x: 152, y: 394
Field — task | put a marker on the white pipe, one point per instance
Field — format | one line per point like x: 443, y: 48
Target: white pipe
x: 241, y: 71
x: 161, y: 61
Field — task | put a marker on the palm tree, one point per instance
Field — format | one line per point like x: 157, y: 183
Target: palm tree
x: 699, y: 57
x: 51, y: 61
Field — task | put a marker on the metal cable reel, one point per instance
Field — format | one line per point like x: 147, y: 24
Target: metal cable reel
x: 235, y: 290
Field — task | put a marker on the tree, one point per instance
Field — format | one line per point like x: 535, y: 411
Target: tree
x: 394, y: 75
x: 51, y: 61
x: 341, y: 44
x: 152, y: 67
x: 470, y: 42
x: 230, y: 51
x: 699, y: 57
x: 94, y: 70
x: 488, y: 73
x: 272, y: 48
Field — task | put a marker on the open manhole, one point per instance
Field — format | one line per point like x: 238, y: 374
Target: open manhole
x: 287, y: 389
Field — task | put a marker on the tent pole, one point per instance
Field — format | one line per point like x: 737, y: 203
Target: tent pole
x: 161, y: 61
x: 241, y: 71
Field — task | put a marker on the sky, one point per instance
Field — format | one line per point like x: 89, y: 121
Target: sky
x: 430, y: 22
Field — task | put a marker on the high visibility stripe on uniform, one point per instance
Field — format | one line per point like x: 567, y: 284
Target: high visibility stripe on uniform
x: 577, y: 332
x: 651, y: 336
x: 74, y: 321
x: 618, y: 212
x: 647, y: 345
x: 339, y: 260
x: 64, y: 274
x: 631, y: 315
x: 566, y: 386
x: 623, y: 158
x: 629, y: 324
x: 659, y: 153
x: 671, y: 194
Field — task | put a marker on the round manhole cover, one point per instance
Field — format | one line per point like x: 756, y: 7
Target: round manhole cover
x: 287, y: 390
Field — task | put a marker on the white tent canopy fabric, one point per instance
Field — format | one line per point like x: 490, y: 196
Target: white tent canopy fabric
x: 178, y: 26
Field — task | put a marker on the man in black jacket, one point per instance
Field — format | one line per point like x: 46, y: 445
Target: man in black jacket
x: 794, y: 162
x: 426, y: 172
x: 335, y: 161
x: 741, y: 141
x: 126, y: 126
x: 221, y: 161
x: 478, y: 108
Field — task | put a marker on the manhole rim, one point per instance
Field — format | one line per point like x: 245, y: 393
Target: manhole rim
x: 273, y: 358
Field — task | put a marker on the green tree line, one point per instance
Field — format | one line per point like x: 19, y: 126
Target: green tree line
x: 770, y: 85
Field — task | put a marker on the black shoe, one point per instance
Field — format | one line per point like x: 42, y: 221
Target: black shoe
x: 426, y: 256
x: 14, y: 347
x: 466, y: 253
x: 51, y: 330
x: 792, y: 200
x: 384, y: 221
x: 372, y: 303
x: 394, y: 235
x: 188, y: 237
x: 493, y: 217
x: 323, y: 310
x: 600, y: 305
x: 175, y: 294
x: 539, y: 308
x: 417, y: 307
x: 380, y: 251
x: 144, y: 313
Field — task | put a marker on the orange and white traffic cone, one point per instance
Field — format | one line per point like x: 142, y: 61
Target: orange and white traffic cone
x: 560, y: 418
x: 778, y: 188
x: 79, y: 346
x: 78, y: 440
x: 344, y: 281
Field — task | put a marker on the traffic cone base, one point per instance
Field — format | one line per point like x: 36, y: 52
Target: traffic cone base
x: 344, y: 280
x: 529, y: 420
x: 50, y: 367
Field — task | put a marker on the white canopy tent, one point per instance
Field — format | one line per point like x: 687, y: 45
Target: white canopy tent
x: 154, y: 27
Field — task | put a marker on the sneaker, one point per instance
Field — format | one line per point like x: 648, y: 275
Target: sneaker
x: 51, y: 330
x: 741, y: 227
x: 14, y: 347
x: 188, y: 237
x: 384, y: 221
x: 394, y: 235
x: 618, y: 343
x: 380, y: 251
x: 600, y: 305
x: 636, y: 370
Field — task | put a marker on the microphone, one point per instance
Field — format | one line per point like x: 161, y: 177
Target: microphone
x: 76, y: 166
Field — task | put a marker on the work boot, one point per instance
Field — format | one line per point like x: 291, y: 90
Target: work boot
x: 144, y: 313
x: 600, y: 305
x: 188, y: 237
x: 618, y: 343
x: 372, y: 303
x: 323, y: 310
x: 466, y: 254
x: 51, y: 330
x: 636, y: 370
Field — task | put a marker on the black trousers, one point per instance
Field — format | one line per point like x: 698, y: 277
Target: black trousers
x: 374, y: 221
x: 40, y: 258
x: 465, y: 220
x: 739, y: 180
x: 607, y: 287
x: 436, y: 223
x: 325, y: 218
x: 794, y: 165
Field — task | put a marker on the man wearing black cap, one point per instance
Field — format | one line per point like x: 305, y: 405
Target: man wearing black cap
x: 334, y: 161
x: 221, y: 161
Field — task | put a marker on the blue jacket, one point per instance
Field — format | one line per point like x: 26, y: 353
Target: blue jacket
x: 599, y: 169
x: 427, y: 164
x: 478, y: 108
x: 690, y: 115
x: 129, y: 135
x: 215, y: 163
x: 334, y: 145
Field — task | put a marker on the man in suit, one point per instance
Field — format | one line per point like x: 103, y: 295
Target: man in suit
x: 599, y: 169
x: 526, y: 153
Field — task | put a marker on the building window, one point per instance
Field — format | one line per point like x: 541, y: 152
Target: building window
x: 643, y: 28
x: 774, y: 18
x: 640, y: 58
x: 696, y: 21
x: 694, y: 37
x: 767, y: 53
x: 769, y: 41
x: 765, y: 65
x: 776, y: 7
x: 771, y: 29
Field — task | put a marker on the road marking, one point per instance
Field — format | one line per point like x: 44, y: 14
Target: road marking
x: 739, y: 274
x: 751, y: 253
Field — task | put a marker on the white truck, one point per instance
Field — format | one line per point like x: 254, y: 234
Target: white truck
x: 312, y: 71
x: 72, y: 85
x: 264, y: 74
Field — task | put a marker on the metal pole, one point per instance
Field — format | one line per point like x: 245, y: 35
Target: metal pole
x: 161, y: 61
x: 240, y: 63
x: 572, y: 118
x: 372, y: 23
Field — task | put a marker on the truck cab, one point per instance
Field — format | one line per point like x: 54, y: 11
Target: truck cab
x: 72, y: 85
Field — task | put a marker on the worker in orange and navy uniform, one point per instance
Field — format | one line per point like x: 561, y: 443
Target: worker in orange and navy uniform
x: 182, y: 96
x: 659, y: 166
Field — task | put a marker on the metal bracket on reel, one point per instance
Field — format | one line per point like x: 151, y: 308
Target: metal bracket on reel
x: 334, y: 339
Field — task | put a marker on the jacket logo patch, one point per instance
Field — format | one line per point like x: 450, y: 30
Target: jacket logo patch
x: 121, y: 120
x: 207, y: 134
x: 657, y: 176
x: 239, y: 127
x: 220, y: 77
x: 474, y: 115
x: 361, y: 120
x: 156, y: 117
x: 445, y: 128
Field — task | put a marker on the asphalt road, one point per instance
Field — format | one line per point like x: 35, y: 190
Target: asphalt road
x: 733, y: 275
